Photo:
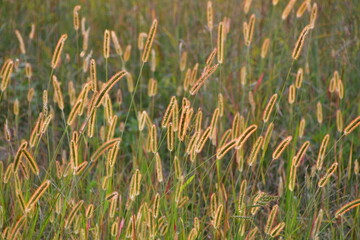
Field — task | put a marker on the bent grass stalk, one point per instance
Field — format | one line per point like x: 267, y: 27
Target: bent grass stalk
x: 347, y: 207
x: 37, y: 195
x: 281, y: 147
x: 269, y: 107
x: 149, y: 41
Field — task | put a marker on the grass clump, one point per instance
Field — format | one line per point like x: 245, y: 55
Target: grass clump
x: 179, y: 120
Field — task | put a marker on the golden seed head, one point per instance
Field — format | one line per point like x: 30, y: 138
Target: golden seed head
x: 83, y: 22
x: 149, y: 41
x: 16, y: 107
x: 204, y: 76
x: 271, y: 219
x: 247, y: 5
x: 322, y: 151
x: 329, y: 172
x: 6, y: 72
x: 299, y: 78
x: 76, y: 20
x: 301, y: 153
x: 352, y: 125
x: 254, y: 151
x: 220, y: 43
x: 300, y: 42
x: 37, y: 195
x: 58, y: 50
x: 319, y: 112
x: 302, y: 127
x: 274, y: 232
x: 153, y: 60
x: 287, y: 9
x: 281, y: 147
x: 183, y: 61
x: 152, y: 87
x: 21, y: 42
x: 243, y: 75
x: 141, y: 38
x: 218, y: 216
x: 301, y: 9
x: 159, y: 171
x: 106, y: 44
x: 209, y: 15
x: 45, y: 102
x: 249, y: 30
x: 127, y: 53
x: 116, y: 43
x: 32, y: 32
x: 265, y: 48
x: 339, y: 121
x: 269, y: 107
x: 292, y: 177
x: 313, y: 15
x: 245, y: 135
x: 292, y: 94
x: 347, y: 207
x: 209, y: 60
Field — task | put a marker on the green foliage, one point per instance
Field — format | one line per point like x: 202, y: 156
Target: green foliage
x: 333, y: 45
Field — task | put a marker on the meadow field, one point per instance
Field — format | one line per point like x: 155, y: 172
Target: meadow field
x: 180, y: 119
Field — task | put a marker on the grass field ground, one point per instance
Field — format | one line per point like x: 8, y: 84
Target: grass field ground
x: 184, y: 119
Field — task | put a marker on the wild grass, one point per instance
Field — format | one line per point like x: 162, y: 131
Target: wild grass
x: 179, y: 119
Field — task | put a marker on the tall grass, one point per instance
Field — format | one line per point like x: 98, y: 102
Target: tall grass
x: 179, y: 119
